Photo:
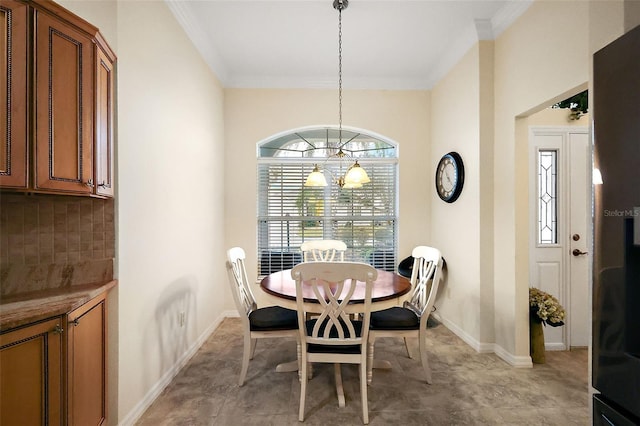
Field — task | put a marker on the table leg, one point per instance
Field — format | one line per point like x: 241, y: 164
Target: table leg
x: 382, y: 364
x: 373, y: 362
x: 287, y: 367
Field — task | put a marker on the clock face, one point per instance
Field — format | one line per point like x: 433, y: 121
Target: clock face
x: 450, y: 177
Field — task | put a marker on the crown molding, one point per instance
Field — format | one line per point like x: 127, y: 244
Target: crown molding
x: 452, y: 54
x: 484, y: 29
x: 317, y: 82
x: 480, y: 29
x: 198, y: 37
x: 508, y: 14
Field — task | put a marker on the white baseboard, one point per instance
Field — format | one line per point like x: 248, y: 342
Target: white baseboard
x: 231, y: 314
x: 515, y: 361
x: 555, y: 347
x: 142, y: 406
x: 468, y: 339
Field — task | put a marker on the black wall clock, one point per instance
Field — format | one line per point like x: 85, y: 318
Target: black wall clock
x: 450, y: 177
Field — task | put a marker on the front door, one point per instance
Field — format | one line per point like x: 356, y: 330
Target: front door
x: 559, y: 233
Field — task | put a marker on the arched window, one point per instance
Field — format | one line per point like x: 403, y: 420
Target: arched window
x: 289, y: 213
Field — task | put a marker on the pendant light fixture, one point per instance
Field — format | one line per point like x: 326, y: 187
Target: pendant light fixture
x: 355, y: 175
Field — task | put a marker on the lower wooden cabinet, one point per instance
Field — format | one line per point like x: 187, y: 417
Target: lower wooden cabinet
x: 54, y: 372
x: 31, y: 382
x: 87, y: 364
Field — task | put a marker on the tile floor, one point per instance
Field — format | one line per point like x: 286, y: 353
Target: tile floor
x: 468, y: 388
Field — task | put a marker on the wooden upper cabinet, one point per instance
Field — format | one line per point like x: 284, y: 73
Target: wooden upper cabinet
x: 13, y: 95
x: 58, y: 82
x: 63, y: 65
x: 104, y: 137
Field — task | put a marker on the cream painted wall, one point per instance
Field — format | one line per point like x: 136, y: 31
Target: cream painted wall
x: 455, y: 227
x: 462, y: 121
x: 487, y: 132
x: 537, y: 62
x: 253, y: 115
x: 170, y: 196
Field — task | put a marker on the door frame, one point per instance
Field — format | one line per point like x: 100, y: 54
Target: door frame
x: 563, y: 187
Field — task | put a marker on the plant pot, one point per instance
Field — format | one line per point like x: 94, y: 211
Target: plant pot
x: 536, y: 340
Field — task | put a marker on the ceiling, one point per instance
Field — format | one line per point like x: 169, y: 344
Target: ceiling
x: 387, y: 44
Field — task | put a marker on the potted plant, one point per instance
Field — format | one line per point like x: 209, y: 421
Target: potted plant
x: 543, y: 309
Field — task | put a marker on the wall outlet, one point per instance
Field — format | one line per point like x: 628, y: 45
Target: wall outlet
x: 181, y: 319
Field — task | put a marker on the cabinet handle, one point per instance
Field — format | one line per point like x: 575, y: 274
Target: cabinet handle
x: 89, y: 183
x: 76, y: 322
x: 102, y: 185
x: 58, y: 329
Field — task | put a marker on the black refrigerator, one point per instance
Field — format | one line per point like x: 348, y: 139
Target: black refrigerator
x: 616, y: 261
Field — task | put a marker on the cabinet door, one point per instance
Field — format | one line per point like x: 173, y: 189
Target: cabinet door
x: 13, y: 94
x: 87, y: 364
x: 103, y: 158
x: 31, y: 375
x: 63, y: 79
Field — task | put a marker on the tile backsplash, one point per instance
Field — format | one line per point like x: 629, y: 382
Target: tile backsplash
x: 52, y: 241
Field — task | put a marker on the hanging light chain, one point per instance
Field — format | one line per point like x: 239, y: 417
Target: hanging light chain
x: 355, y: 175
x: 340, y: 7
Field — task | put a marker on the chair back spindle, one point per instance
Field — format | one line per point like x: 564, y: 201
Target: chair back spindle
x: 323, y: 250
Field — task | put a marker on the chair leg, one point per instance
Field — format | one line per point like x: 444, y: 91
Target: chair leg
x: 303, y: 388
x: 246, y: 355
x: 371, y: 345
x: 423, y: 357
x: 363, y: 391
x: 299, y: 357
x: 253, y: 347
x: 339, y: 387
x: 406, y: 346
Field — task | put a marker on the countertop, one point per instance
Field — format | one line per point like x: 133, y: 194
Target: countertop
x: 28, y: 308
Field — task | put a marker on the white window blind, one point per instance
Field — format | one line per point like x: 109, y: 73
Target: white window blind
x: 290, y: 213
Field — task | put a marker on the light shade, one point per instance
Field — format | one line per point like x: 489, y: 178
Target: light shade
x: 356, y: 175
x: 316, y: 178
x: 351, y: 185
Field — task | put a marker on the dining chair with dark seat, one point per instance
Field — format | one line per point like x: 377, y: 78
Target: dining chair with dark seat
x: 257, y: 323
x: 410, y: 320
x: 333, y: 336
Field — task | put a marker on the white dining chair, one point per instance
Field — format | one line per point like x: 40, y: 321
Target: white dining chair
x: 333, y: 336
x: 323, y: 250
x: 410, y: 320
x: 257, y: 323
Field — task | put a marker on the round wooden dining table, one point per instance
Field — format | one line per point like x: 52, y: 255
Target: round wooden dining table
x: 387, y: 291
